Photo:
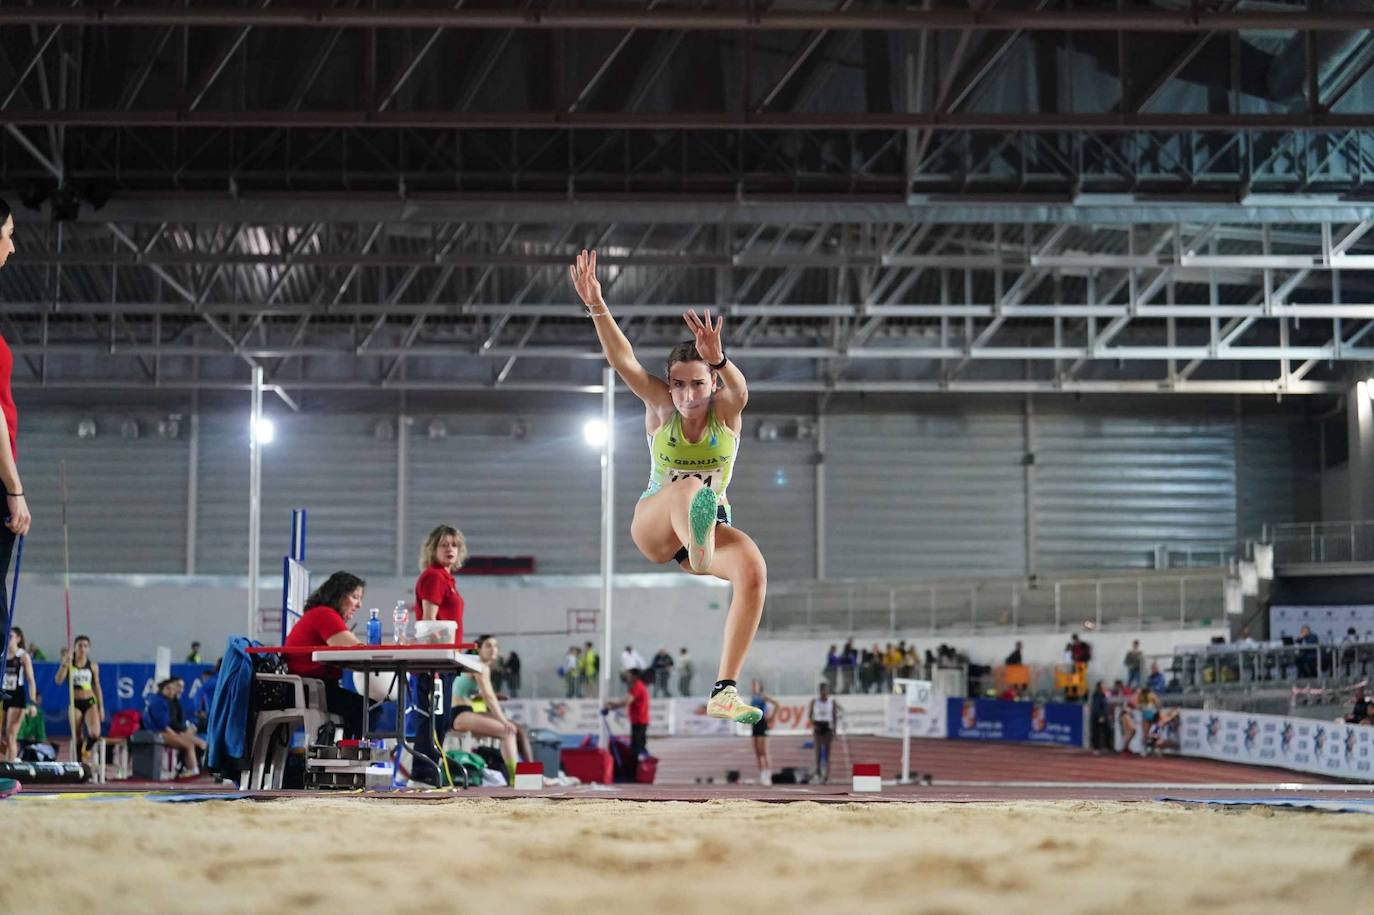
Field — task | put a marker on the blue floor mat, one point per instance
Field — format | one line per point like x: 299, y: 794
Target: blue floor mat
x: 1331, y: 804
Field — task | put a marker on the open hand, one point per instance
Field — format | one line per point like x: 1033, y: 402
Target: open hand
x: 707, y: 336
x: 583, y: 275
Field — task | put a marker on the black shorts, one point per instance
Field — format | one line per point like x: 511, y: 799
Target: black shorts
x: 761, y: 727
x: 14, y: 700
x: 460, y: 709
x: 820, y: 728
x: 83, y: 704
x: 722, y: 517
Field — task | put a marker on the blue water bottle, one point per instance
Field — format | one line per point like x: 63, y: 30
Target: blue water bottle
x: 374, y: 627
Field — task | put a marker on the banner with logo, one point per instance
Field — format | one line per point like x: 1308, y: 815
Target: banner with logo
x: 859, y: 714
x: 1304, y: 744
x: 122, y: 686
x: 1030, y: 722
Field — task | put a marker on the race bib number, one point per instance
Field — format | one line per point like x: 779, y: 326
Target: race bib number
x: 706, y: 477
x: 11, y: 682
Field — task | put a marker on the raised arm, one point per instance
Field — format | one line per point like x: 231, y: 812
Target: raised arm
x: 734, y: 392
x: 614, y: 344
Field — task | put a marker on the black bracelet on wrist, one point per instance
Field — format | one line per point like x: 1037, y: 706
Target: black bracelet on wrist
x: 13, y: 494
x: 721, y: 364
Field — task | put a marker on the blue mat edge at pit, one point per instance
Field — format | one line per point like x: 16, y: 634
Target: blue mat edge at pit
x: 1329, y: 805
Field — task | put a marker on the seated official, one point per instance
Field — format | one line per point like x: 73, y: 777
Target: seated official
x: 328, y: 613
x: 162, y: 714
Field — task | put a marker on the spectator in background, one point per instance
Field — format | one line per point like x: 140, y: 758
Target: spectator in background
x: 571, y: 672
x: 632, y: 660
x: 1156, y: 681
x: 761, y: 700
x: 162, y: 714
x: 591, y: 667
x: 1015, y: 656
x: 1081, y: 651
x: 513, y: 675
x: 194, y: 656
x: 832, y: 666
x: 1100, y: 716
x: 913, y: 662
x: 496, y: 669
x: 684, y: 674
x: 663, y: 671
x: 18, y: 696
x: 1135, y: 662
x: 892, y: 665
x: 1307, y: 657
x: 1350, y: 639
x: 637, y: 700
x: 1359, y: 714
x: 1125, y: 717
x: 849, y: 662
x: 204, y: 696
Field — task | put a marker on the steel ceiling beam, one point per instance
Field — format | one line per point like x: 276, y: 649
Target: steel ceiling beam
x: 751, y: 19
x: 942, y: 122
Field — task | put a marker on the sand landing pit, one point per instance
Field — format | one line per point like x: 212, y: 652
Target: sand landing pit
x: 333, y: 855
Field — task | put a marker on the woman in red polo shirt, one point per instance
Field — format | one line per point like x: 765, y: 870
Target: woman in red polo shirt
x: 436, y: 591
x: 16, y: 513
x: 437, y: 598
x: 327, y: 616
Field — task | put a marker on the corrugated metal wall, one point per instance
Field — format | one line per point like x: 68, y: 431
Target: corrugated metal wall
x: 925, y: 494
x: 510, y: 496
x: 334, y: 467
x: 932, y: 492
x: 1278, y: 476
x: 126, y: 497
x: 1109, y: 489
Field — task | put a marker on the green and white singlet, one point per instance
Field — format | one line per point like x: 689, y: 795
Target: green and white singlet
x: 672, y: 456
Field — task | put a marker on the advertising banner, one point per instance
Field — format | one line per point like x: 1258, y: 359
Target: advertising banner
x: 1055, y: 723
x: 1320, y: 747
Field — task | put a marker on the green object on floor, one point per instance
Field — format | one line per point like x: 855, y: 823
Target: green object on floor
x: 8, y: 786
x: 467, y: 766
x: 32, y: 729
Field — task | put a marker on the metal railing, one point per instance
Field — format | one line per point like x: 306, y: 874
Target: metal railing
x: 1325, y: 541
x: 892, y: 608
x: 1267, y: 664
x: 1197, y: 555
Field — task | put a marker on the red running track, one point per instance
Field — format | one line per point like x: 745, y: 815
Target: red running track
x: 685, y: 760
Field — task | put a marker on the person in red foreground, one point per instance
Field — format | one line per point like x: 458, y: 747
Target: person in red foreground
x: 638, y: 701
x: 437, y: 598
x: 327, y: 616
x: 16, y: 513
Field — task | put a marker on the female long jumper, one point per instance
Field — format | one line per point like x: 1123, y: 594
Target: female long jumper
x: 693, y: 423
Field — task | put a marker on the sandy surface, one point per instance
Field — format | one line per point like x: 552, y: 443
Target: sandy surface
x: 309, y: 855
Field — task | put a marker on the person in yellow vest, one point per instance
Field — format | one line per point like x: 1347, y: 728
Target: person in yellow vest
x: 589, y: 668
x: 693, y: 422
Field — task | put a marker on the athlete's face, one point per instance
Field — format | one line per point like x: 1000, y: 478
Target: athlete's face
x: 6, y: 240
x: 446, y: 553
x: 489, y: 651
x: 691, y: 385
x: 350, y: 604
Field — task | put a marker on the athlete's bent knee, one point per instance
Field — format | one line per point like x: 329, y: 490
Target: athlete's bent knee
x: 753, y: 576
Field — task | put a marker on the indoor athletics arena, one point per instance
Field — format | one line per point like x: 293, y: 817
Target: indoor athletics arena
x: 761, y: 455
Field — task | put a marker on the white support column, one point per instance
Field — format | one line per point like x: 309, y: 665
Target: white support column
x: 403, y: 424
x: 607, y: 530
x: 1359, y: 413
x: 254, y: 501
